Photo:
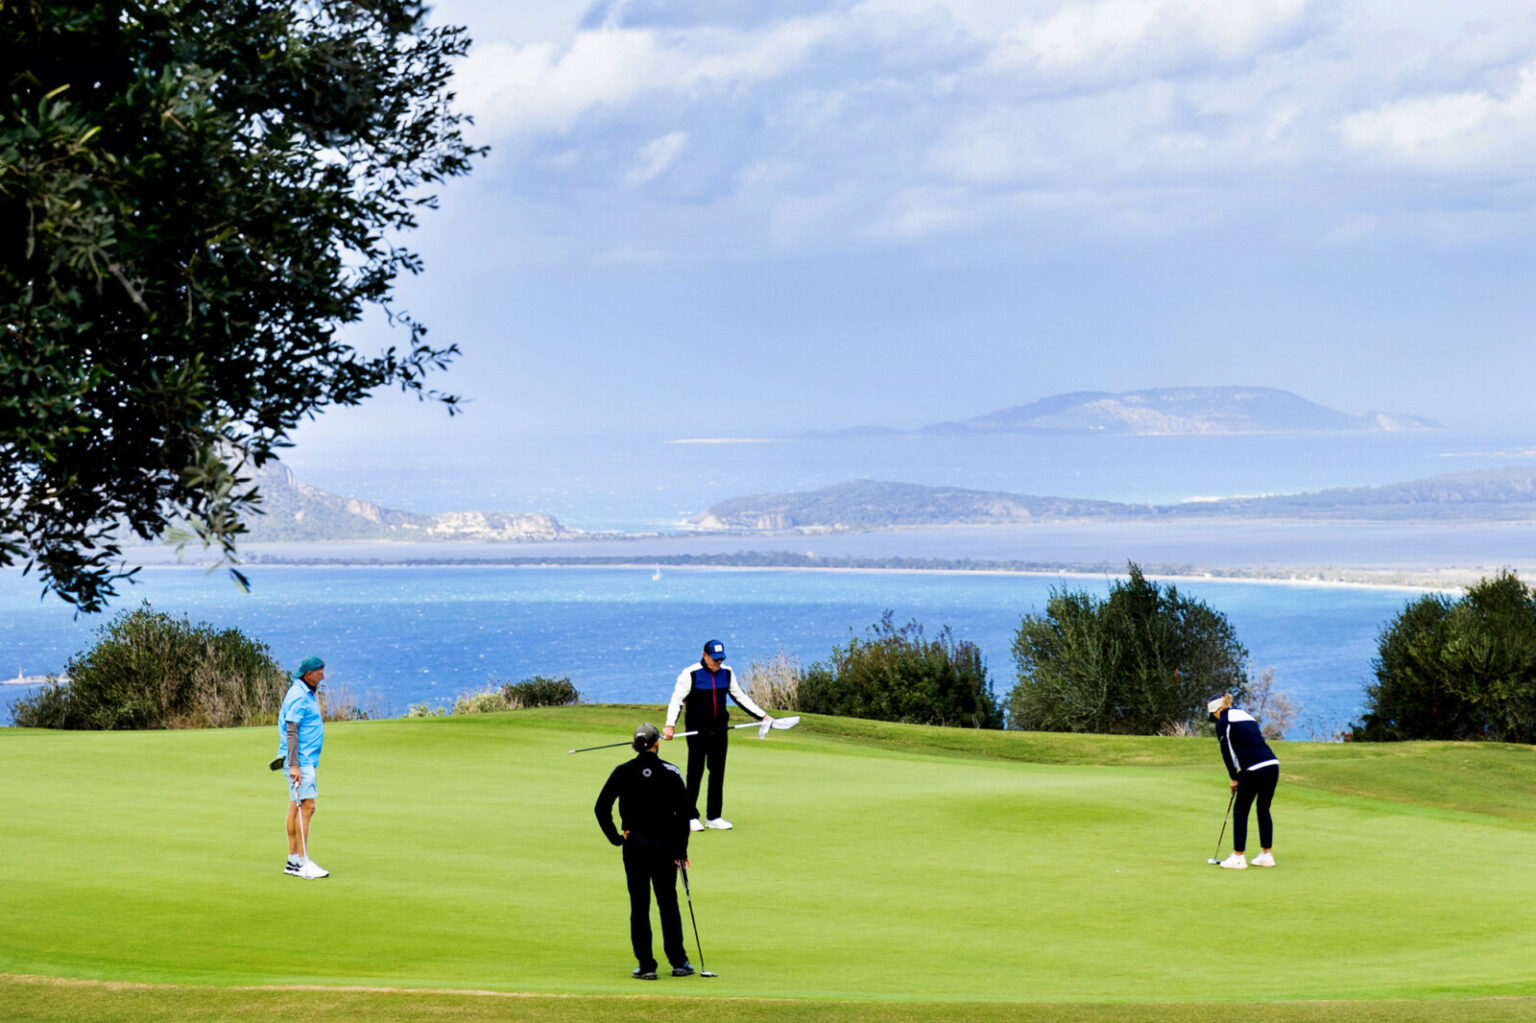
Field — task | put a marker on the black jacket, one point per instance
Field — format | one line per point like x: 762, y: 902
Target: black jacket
x: 1242, y: 743
x: 654, y: 806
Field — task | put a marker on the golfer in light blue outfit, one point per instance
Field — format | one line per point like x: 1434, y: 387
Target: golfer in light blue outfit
x: 301, y: 735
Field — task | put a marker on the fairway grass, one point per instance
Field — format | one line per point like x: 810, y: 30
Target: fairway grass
x: 876, y: 872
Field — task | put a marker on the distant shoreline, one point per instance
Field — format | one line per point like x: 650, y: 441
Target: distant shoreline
x: 1407, y: 580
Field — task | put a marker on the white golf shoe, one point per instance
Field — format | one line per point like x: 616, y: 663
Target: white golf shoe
x: 1263, y: 859
x: 311, y: 871
x: 1237, y: 861
x: 695, y: 825
x: 718, y: 823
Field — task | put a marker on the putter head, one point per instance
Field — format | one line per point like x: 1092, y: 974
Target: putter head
x: 709, y: 973
x: 1214, y: 863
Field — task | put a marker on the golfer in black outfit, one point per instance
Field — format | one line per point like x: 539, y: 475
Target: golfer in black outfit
x: 1254, y: 770
x: 655, y: 808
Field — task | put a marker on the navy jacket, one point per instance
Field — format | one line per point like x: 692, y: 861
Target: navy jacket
x: 1242, y: 744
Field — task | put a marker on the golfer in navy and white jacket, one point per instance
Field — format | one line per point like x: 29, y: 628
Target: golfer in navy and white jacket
x: 703, y: 688
x: 1254, y: 771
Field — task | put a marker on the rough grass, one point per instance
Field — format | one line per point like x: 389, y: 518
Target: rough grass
x: 877, y: 872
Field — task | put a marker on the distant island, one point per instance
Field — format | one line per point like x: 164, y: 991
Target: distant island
x: 1494, y: 495
x: 295, y: 512
x: 1167, y: 411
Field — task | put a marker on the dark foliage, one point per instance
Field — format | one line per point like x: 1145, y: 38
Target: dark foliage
x: 894, y: 674
x: 150, y: 670
x: 195, y: 196
x: 541, y: 691
x: 1462, y: 669
x: 1142, y: 662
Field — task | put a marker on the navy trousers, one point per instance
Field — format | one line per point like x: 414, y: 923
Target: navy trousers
x: 1255, y: 787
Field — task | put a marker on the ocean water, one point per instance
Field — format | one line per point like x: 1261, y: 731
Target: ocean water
x: 398, y: 636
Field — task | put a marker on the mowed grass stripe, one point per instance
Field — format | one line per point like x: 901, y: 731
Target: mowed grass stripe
x: 39, y: 1000
x: 864, y: 867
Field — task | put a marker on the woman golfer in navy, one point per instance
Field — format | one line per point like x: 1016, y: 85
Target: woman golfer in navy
x: 1254, y: 772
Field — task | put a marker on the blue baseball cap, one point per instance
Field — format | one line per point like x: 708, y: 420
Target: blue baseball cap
x: 715, y: 649
x: 307, y: 665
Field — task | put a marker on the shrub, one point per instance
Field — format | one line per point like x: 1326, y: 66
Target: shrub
x: 1141, y: 662
x: 148, y: 669
x: 1462, y: 669
x: 894, y: 674
x: 540, y: 691
x: 775, y: 682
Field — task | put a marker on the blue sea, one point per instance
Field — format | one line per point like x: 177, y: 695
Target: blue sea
x: 398, y: 636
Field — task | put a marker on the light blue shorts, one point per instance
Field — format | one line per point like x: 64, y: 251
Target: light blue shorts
x: 306, y: 787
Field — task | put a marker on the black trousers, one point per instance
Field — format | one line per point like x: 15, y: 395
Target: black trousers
x: 1255, y: 786
x: 707, y: 750
x: 647, y: 867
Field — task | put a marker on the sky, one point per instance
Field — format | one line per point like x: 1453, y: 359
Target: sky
x: 723, y: 218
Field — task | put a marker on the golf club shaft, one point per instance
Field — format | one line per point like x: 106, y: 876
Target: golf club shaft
x: 298, y: 810
x: 695, y: 920
x: 606, y: 745
x: 1225, y: 817
x: 681, y: 734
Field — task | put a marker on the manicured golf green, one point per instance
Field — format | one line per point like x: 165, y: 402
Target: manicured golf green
x: 870, y: 863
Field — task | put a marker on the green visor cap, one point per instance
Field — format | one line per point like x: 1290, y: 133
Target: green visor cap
x: 308, y: 665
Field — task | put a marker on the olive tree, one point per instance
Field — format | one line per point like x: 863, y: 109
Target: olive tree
x: 196, y: 197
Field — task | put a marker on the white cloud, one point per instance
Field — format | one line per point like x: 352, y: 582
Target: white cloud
x: 890, y: 120
x: 656, y: 156
x: 1111, y: 39
x: 1477, y: 131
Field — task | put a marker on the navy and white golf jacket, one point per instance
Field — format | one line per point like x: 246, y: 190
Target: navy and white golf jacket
x: 704, y: 693
x: 1242, y: 744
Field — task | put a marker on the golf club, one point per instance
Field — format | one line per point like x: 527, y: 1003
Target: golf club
x: 702, y: 972
x: 298, y: 809
x: 1223, y: 827
x: 762, y: 732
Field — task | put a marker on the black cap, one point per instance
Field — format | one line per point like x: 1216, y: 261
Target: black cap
x: 646, y: 736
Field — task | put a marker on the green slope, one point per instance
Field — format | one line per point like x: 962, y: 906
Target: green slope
x: 870, y: 862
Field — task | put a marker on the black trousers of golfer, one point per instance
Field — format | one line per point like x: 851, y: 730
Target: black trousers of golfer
x: 708, y: 750
x: 647, y: 866
x: 1255, y: 786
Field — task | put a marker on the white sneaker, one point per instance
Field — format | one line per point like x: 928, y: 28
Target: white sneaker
x: 695, y: 825
x: 718, y: 823
x: 311, y: 871
x: 1263, y: 860
x: 1237, y: 861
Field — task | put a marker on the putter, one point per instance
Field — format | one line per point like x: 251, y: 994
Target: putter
x: 298, y: 809
x: 702, y: 972
x: 1223, y: 827
x: 762, y: 732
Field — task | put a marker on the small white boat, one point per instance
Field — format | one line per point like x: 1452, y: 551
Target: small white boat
x: 656, y: 574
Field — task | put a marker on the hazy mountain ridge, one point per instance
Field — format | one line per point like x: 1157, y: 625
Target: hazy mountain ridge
x: 1490, y: 495
x: 298, y: 512
x: 1169, y: 411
